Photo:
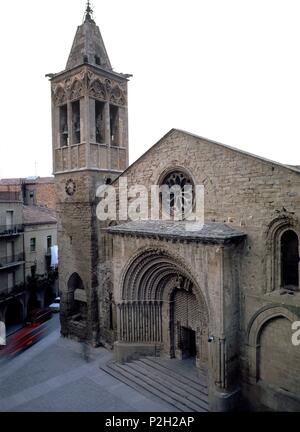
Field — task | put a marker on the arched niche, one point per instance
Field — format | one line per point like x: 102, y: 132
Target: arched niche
x: 77, y: 300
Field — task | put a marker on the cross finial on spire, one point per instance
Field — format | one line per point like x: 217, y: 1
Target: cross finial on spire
x: 88, y: 11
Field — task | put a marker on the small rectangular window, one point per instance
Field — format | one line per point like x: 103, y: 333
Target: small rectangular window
x: 76, y: 122
x: 10, y: 251
x: 99, y: 122
x: 49, y: 242
x: 31, y: 198
x: 63, y: 126
x: 9, y: 219
x: 10, y: 281
x: 33, y: 245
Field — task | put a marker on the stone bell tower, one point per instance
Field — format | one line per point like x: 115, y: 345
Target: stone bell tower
x: 90, y: 148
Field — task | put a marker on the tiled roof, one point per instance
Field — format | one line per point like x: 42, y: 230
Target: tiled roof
x: 211, y: 232
x: 12, y: 181
x: 28, y: 180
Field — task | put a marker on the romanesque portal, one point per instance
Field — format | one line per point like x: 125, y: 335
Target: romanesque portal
x: 162, y: 305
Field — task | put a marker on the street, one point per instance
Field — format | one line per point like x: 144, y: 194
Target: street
x: 52, y: 376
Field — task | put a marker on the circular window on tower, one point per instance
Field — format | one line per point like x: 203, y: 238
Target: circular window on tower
x: 70, y: 187
x: 177, y: 195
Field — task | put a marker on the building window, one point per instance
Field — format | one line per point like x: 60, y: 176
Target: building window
x: 97, y: 60
x: 31, y: 198
x: 63, y: 126
x: 33, y: 244
x: 9, y: 219
x: 290, y: 260
x: 10, y: 281
x: 10, y: 252
x: 49, y: 242
x: 76, y: 122
x: 114, y: 125
x: 99, y: 122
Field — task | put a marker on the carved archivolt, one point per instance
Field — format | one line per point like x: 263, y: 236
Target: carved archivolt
x: 117, y: 96
x: 76, y: 91
x: 59, y: 95
x: 153, y: 279
x: 107, y: 90
x: 69, y: 89
x: 99, y: 88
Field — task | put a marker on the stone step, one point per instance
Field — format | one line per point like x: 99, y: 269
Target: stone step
x: 138, y: 376
x: 178, y: 382
x: 191, y: 373
x: 194, y: 382
x: 112, y: 369
x: 163, y: 383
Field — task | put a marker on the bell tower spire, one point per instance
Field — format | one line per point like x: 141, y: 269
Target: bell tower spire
x: 88, y: 45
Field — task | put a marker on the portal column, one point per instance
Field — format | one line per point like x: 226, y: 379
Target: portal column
x: 223, y: 393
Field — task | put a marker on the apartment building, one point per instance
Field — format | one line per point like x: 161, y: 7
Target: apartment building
x: 12, y: 258
x: 28, y: 231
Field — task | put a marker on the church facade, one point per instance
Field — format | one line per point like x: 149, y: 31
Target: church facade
x: 226, y: 294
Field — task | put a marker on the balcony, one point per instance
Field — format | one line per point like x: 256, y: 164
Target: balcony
x: 10, y: 293
x: 12, y: 261
x: 13, y: 230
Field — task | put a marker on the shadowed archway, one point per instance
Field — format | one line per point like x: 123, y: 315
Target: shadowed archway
x: 77, y: 298
x: 161, y: 304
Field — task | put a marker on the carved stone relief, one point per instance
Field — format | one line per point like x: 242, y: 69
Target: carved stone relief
x: 98, y: 87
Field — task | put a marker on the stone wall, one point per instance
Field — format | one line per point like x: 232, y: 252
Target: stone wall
x: 45, y: 195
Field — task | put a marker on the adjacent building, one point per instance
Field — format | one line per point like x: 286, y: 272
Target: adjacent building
x: 40, y: 234
x: 35, y: 191
x: 12, y: 257
x: 28, y: 231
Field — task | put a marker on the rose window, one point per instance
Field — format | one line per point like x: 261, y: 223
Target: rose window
x: 177, y: 194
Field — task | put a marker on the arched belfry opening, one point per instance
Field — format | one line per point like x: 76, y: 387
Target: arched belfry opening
x: 290, y: 260
x: 162, y: 306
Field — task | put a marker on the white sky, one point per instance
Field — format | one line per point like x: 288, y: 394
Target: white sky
x: 228, y: 70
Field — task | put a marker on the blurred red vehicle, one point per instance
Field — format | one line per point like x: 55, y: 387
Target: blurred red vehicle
x: 22, y: 340
x: 39, y: 316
